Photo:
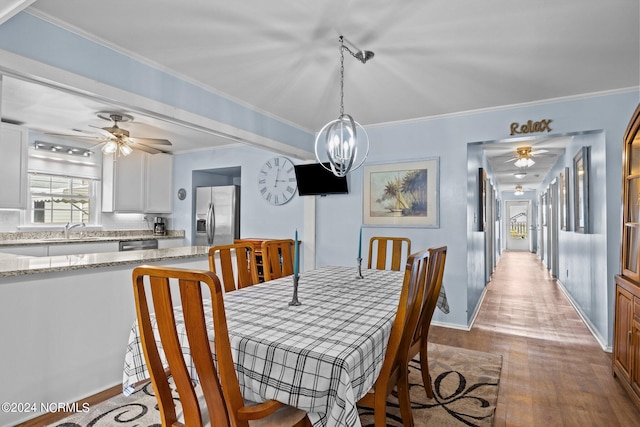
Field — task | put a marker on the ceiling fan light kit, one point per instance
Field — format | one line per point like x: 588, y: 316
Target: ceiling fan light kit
x: 524, y: 163
x: 343, y: 139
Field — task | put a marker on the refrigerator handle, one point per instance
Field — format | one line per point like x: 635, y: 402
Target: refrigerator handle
x: 211, y: 224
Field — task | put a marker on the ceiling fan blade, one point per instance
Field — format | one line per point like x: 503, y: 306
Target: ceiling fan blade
x: 146, y: 148
x: 150, y: 141
x: 102, y: 131
x: 511, y: 160
x: 536, y: 152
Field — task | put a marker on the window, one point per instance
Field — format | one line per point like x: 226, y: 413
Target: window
x: 59, y: 199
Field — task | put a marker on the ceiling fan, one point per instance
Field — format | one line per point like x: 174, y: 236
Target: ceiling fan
x: 523, y: 157
x: 116, y: 140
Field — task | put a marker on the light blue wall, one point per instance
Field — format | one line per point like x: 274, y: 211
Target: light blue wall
x: 258, y: 218
x: 339, y: 217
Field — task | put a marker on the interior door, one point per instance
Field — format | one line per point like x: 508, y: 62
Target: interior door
x: 554, y: 225
x: 518, y: 224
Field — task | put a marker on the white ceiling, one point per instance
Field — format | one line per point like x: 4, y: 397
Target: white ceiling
x: 432, y: 57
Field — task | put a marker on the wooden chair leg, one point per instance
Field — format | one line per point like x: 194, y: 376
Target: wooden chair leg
x: 424, y: 367
x: 404, y: 399
x: 380, y: 411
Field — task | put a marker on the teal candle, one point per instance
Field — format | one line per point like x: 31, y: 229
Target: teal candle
x: 360, y: 244
x: 296, y: 257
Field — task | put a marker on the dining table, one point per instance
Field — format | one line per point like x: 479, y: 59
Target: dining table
x: 321, y: 356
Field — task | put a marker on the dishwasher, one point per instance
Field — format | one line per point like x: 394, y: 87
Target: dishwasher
x: 135, y: 245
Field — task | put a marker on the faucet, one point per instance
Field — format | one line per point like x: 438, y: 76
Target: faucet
x: 69, y: 226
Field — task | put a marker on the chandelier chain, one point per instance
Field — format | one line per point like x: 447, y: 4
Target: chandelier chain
x: 341, y: 77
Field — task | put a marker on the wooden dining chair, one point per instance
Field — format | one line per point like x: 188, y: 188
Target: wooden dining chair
x: 277, y: 258
x: 407, y: 316
x: 379, y: 247
x: 235, y: 265
x: 417, y: 342
x: 216, y: 399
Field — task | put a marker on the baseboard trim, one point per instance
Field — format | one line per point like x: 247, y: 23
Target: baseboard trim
x: 585, y: 319
x: 52, y: 417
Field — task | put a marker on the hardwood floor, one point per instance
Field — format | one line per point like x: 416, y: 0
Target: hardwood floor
x: 554, y: 372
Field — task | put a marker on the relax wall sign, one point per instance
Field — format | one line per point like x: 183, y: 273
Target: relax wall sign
x: 531, y: 127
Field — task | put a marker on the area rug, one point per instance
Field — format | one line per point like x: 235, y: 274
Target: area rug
x: 465, y: 385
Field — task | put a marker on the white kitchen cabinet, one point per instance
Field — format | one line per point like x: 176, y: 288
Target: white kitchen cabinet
x: 28, y: 250
x: 123, y: 182
x: 13, y: 173
x: 83, y: 248
x: 170, y: 243
x: 139, y: 182
x: 159, y: 178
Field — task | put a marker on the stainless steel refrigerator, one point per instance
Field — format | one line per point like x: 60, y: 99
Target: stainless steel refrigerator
x: 217, y: 220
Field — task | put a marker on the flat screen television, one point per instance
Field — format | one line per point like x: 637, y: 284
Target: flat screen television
x: 314, y: 180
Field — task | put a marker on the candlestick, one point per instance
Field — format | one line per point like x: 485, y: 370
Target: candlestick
x: 360, y: 244
x: 359, y: 275
x: 296, y: 260
x: 294, y: 301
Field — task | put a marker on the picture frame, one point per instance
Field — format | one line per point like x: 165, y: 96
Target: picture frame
x: 564, y: 199
x: 482, y: 199
x: 581, y: 190
x: 402, y: 194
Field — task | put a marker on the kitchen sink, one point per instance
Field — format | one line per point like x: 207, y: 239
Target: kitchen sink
x: 72, y: 239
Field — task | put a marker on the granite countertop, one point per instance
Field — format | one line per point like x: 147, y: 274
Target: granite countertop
x: 18, y: 265
x: 57, y: 237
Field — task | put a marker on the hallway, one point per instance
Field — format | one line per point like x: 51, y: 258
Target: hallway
x: 554, y: 372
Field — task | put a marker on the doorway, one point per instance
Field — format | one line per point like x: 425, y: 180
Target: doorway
x: 518, y: 224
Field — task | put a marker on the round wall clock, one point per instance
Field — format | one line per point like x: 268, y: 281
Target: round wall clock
x: 277, y: 180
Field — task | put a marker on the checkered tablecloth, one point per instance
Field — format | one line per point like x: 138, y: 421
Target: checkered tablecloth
x: 321, y: 356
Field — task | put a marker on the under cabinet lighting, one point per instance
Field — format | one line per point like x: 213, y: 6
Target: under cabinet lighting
x: 57, y: 148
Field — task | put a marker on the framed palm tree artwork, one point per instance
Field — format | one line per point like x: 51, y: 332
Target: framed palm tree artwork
x: 403, y: 194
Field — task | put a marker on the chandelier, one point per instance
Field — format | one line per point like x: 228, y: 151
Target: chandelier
x: 518, y: 191
x: 343, y: 139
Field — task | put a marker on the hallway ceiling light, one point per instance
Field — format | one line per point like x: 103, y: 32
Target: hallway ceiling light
x: 520, y: 175
x: 524, y: 157
x: 341, y: 139
x: 518, y: 191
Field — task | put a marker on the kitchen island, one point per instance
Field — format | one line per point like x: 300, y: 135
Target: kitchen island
x: 65, y: 322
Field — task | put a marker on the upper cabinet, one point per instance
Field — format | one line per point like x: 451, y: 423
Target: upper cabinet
x: 626, y: 344
x: 159, y: 179
x: 139, y: 182
x: 631, y: 200
x: 13, y: 173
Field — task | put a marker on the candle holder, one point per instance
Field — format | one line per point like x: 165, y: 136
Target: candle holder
x: 294, y: 301
x: 359, y: 275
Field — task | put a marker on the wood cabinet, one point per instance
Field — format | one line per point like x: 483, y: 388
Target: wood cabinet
x: 13, y: 173
x: 139, y: 182
x: 626, y: 345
